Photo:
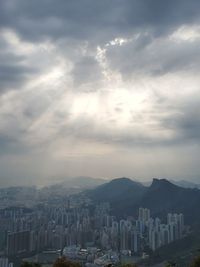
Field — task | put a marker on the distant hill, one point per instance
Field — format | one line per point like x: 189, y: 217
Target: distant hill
x: 83, y: 182
x: 162, y: 196
x: 182, y: 251
x: 71, y: 186
x: 185, y: 184
x: 122, y: 193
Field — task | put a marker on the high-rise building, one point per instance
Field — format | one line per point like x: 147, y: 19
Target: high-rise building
x: 155, y: 241
x: 135, y: 241
x: 4, y: 262
x: 18, y: 242
x: 177, y: 220
x: 164, y: 234
x: 144, y: 215
x: 181, y: 224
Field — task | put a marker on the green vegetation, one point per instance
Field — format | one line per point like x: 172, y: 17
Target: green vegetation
x: 181, y: 252
x: 196, y: 262
x: 30, y: 264
x: 64, y: 262
x: 171, y: 264
x: 130, y: 265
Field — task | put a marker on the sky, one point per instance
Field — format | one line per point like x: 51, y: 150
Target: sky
x: 105, y: 88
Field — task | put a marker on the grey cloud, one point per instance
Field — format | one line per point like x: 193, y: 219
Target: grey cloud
x: 179, y: 116
x: 38, y: 120
x: 98, y: 22
x: 87, y: 129
x: 178, y: 57
x: 4, y: 142
x: 163, y: 15
x: 11, y: 145
x: 14, y: 71
x: 95, y: 20
x: 186, y: 123
x: 34, y: 108
x: 154, y: 57
x: 14, y: 76
x: 87, y: 71
x: 75, y: 19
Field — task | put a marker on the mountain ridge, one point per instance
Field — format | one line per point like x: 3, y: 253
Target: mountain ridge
x: 120, y: 193
x: 161, y: 197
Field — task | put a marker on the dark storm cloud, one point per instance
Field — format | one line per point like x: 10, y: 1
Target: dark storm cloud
x: 13, y: 76
x: 73, y: 19
x: 14, y: 71
x: 91, y: 20
x: 162, y: 15
x: 98, y: 22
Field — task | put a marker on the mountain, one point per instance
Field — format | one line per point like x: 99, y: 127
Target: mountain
x: 70, y: 186
x: 122, y: 193
x: 83, y: 182
x: 185, y: 184
x: 161, y: 197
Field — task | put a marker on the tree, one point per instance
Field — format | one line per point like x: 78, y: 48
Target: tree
x: 129, y: 265
x: 30, y: 264
x: 64, y: 262
x: 171, y: 264
x: 196, y: 262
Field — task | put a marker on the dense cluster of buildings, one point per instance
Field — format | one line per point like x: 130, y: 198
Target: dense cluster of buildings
x: 88, y: 233
x: 47, y: 227
x: 4, y: 262
x: 155, y: 232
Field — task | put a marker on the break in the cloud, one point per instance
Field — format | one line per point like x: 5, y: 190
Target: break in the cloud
x: 99, y: 88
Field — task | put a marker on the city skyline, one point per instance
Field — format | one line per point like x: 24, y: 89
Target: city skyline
x: 64, y: 227
x: 119, y: 221
x: 99, y: 88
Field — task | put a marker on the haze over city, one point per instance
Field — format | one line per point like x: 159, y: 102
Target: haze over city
x: 99, y: 88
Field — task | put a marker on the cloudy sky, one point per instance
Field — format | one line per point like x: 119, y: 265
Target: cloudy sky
x: 101, y: 88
